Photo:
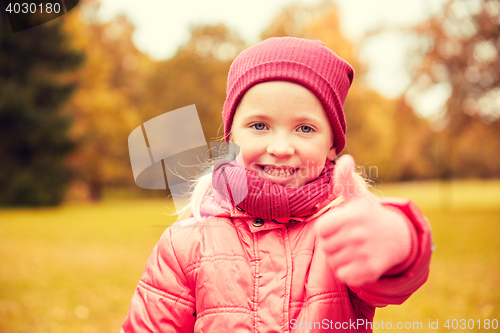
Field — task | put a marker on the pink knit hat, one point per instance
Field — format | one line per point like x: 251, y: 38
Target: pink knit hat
x: 306, y: 62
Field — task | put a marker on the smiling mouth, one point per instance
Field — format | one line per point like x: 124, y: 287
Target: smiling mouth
x: 278, y: 171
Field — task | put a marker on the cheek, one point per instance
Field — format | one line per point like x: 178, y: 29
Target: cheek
x: 315, y: 159
x: 315, y: 153
x: 239, y: 159
x: 248, y: 155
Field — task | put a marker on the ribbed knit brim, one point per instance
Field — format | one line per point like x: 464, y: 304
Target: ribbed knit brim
x: 306, y: 62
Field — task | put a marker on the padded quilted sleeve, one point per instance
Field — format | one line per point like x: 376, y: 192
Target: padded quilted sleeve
x: 163, y: 300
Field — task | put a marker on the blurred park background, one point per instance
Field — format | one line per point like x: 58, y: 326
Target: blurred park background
x: 75, y: 230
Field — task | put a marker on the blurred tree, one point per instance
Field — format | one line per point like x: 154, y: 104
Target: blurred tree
x: 106, y: 107
x: 196, y: 75
x: 414, y: 152
x: 120, y: 88
x: 373, y: 122
x: 457, y: 52
x: 33, y: 132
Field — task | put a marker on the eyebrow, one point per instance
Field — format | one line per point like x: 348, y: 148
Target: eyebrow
x: 308, y: 118
x: 256, y: 115
x: 263, y: 116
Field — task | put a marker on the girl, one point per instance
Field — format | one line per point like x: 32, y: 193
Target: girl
x: 281, y: 242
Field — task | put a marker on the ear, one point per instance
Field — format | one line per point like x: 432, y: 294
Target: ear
x: 332, y: 153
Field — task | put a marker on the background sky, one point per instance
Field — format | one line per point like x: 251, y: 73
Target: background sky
x: 163, y: 25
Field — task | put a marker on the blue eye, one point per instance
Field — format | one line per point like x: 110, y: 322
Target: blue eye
x: 259, y: 126
x: 305, y: 129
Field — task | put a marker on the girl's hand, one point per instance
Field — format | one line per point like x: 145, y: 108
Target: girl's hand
x: 361, y: 239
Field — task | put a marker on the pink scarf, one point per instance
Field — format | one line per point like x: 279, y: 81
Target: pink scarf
x: 264, y: 199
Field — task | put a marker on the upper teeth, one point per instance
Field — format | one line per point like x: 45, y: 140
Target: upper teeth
x: 277, y: 171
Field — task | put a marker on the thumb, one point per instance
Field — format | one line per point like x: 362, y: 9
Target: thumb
x: 346, y: 183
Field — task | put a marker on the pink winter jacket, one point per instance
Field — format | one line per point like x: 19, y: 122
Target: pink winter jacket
x: 237, y: 273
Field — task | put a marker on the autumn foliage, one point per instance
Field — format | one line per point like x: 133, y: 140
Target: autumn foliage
x: 459, y: 49
x: 119, y: 88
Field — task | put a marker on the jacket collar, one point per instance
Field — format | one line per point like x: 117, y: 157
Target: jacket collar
x: 215, y: 205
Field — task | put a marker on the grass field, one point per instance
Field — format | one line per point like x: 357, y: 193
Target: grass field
x: 464, y: 282
x: 74, y: 268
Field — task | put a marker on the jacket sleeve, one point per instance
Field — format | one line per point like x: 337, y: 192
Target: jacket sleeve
x: 163, y: 300
x: 397, y: 284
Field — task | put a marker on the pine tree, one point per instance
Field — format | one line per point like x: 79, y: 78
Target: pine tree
x: 33, y: 133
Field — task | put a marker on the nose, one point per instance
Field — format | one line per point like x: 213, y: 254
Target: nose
x: 280, y: 147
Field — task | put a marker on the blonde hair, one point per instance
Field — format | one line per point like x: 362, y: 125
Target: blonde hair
x: 202, y: 187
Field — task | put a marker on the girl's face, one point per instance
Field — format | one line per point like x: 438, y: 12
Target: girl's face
x: 283, y: 133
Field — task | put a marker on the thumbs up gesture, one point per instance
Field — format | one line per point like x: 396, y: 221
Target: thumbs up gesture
x: 362, y: 239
